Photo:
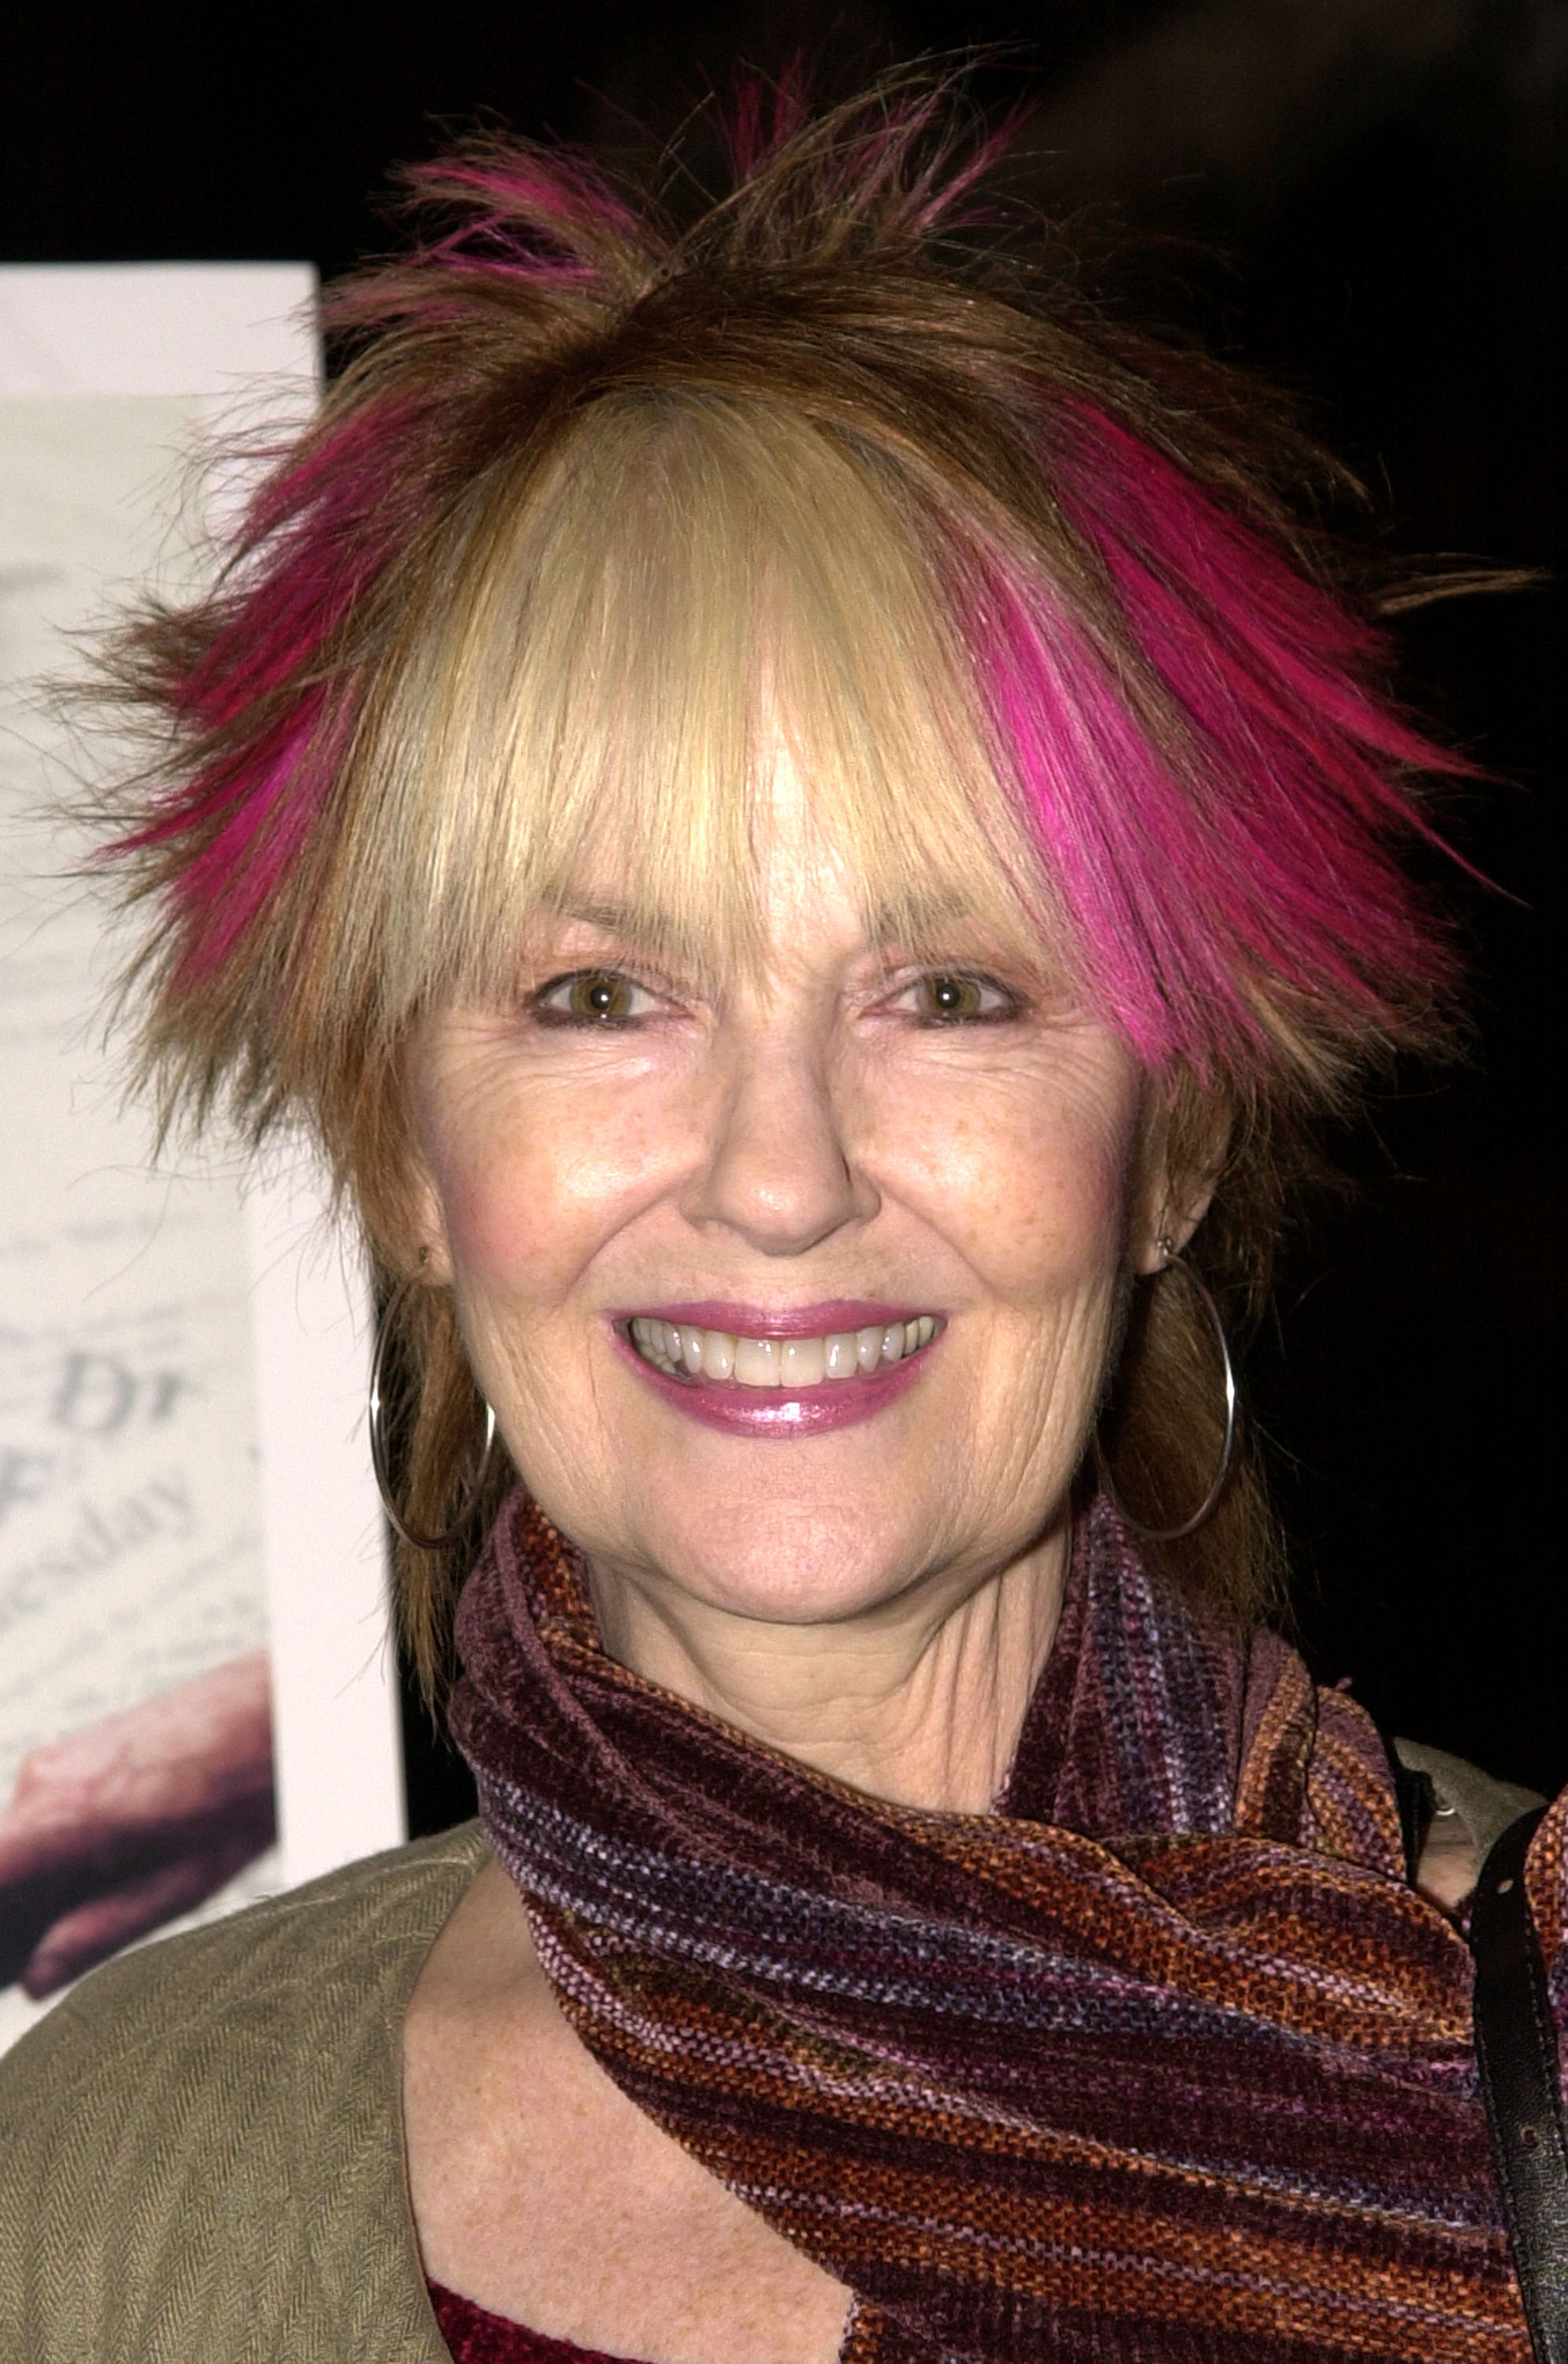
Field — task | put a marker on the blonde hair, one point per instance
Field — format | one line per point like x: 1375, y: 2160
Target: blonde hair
x: 620, y: 632
x: 595, y: 508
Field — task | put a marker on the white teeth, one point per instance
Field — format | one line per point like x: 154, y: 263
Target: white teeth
x: 682, y: 1347
x: 757, y: 1362
x: 804, y: 1363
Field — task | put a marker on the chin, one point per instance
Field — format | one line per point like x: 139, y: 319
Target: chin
x: 792, y: 1567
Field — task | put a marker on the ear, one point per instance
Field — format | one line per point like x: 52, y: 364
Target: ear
x: 429, y: 1243
x: 1184, y: 1147
x: 418, y: 1237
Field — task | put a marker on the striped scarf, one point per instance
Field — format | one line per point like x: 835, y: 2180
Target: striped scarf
x: 1164, y: 2059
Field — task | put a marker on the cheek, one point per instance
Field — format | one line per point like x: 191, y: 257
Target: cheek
x: 530, y: 1191
x: 1034, y: 1189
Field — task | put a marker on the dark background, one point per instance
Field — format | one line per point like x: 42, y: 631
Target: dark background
x: 1369, y: 195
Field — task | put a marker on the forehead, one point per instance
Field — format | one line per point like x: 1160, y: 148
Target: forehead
x: 805, y: 835
x: 809, y: 885
x: 697, y: 677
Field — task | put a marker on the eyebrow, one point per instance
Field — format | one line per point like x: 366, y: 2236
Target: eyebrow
x: 644, y: 924
x: 910, y: 923
x: 920, y: 914
x: 632, y: 922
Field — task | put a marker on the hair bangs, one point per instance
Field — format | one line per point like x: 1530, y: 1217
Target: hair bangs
x: 594, y: 712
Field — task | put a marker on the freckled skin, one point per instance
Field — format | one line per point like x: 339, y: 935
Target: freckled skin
x: 876, y: 1599
x: 808, y: 1134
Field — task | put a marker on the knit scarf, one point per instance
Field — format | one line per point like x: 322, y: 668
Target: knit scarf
x: 1162, y: 2060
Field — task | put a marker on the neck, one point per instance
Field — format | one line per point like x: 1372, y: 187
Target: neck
x: 920, y: 1701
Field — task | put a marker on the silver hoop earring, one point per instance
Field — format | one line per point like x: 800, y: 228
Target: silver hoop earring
x: 1206, y: 1508
x: 374, y: 1421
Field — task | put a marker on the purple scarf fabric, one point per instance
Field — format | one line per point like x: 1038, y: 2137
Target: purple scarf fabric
x: 1162, y: 2060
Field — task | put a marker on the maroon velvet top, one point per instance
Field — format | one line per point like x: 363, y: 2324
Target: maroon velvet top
x: 476, y: 2338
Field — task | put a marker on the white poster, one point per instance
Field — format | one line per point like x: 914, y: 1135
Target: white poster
x: 193, y: 1630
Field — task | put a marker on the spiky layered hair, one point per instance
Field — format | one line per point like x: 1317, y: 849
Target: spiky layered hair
x: 599, y: 503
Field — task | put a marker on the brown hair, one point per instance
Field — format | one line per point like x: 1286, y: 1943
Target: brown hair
x: 1037, y: 612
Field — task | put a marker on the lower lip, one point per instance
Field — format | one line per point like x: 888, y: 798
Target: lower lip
x: 780, y: 1411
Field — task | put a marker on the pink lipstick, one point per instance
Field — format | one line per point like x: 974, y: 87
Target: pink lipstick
x: 750, y: 1370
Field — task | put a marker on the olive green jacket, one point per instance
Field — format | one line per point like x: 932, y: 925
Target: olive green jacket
x: 201, y: 2148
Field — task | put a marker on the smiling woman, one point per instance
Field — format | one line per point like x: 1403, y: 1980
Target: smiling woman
x: 810, y: 833
x: 847, y: 1193
x: 600, y: 524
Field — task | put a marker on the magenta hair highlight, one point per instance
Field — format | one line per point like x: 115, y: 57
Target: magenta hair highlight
x: 321, y: 533
x: 1216, y: 813
x: 1260, y: 869
x: 317, y: 537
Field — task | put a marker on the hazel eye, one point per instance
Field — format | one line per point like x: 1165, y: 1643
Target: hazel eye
x: 594, y: 996
x: 950, y: 997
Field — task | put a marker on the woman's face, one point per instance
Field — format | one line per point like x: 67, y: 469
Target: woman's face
x: 798, y: 1294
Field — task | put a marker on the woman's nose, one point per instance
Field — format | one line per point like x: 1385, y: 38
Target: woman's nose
x: 777, y: 1169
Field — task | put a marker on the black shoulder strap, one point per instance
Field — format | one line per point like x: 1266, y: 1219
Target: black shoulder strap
x: 1516, y: 2049
x: 1414, y: 1796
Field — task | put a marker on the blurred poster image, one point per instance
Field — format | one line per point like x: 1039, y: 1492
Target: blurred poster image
x: 151, y: 1591
x: 132, y: 1611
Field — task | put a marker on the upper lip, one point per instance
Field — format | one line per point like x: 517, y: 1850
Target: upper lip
x: 822, y: 1321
